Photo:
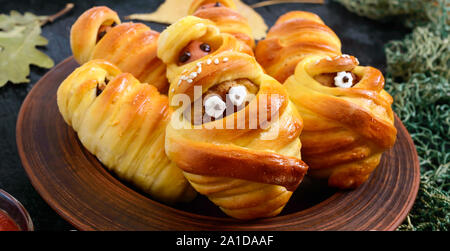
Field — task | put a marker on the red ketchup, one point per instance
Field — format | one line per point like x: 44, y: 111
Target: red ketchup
x: 6, y: 223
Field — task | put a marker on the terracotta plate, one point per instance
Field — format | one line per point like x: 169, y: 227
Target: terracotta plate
x: 82, y: 191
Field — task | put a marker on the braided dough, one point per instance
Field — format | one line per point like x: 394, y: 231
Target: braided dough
x: 225, y: 16
x: 346, y: 130
x: 123, y: 126
x: 295, y: 35
x: 245, y: 175
x: 130, y: 46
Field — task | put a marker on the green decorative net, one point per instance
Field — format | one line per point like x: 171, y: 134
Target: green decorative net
x: 417, y: 76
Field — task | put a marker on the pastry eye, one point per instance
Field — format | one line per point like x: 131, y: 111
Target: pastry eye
x: 214, y: 106
x: 237, y: 95
x: 343, y: 79
x: 194, y: 50
x: 185, y: 56
x: 205, y: 47
x: 218, y: 4
x: 221, y: 100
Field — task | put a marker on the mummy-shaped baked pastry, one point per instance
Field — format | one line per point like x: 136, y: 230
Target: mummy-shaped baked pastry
x: 295, y: 35
x: 225, y: 16
x: 123, y: 122
x: 347, y: 115
x: 99, y: 34
x: 249, y: 171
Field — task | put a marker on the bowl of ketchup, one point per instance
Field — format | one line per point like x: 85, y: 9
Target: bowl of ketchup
x: 13, y: 216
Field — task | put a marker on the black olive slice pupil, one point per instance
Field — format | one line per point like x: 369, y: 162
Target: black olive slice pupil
x: 185, y: 56
x: 205, y: 47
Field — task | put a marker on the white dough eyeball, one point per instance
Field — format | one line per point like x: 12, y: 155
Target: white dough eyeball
x: 237, y: 95
x: 343, y: 79
x: 214, y: 106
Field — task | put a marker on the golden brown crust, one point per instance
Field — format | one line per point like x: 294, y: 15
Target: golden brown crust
x: 346, y: 129
x: 84, y: 32
x: 241, y: 170
x: 262, y: 167
x: 123, y: 126
x: 295, y: 35
x: 225, y: 17
x: 197, y: 4
x: 130, y: 46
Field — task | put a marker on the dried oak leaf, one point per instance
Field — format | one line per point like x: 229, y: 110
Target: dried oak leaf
x: 19, y: 36
x: 8, y: 22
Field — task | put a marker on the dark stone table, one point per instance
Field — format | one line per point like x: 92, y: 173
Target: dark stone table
x: 361, y: 37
